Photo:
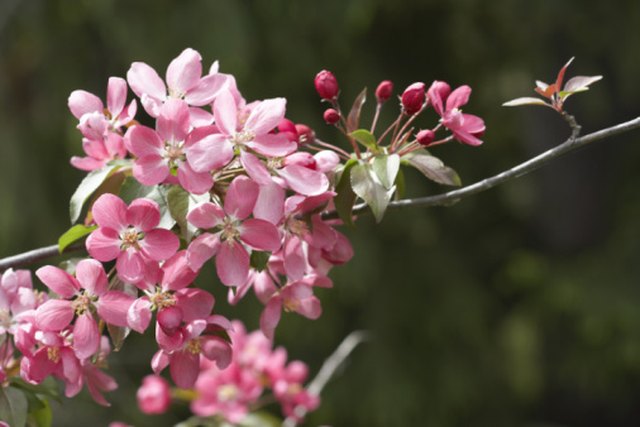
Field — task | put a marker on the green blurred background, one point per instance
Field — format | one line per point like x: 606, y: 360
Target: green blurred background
x: 517, y: 307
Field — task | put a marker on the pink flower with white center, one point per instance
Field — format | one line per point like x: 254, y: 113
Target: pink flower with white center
x: 17, y: 299
x: 199, y: 340
x: 465, y: 127
x: 130, y: 234
x: 99, y: 152
x: 154, y: 395
x: 230, y: 229
x: 227, y: 393
x: 97, y: 381
x: 184, y: 81
x: 161, y: 153
x: 95, y: 120
x: 253, y: 132
x: 81, y: 297
x: 296, y: 296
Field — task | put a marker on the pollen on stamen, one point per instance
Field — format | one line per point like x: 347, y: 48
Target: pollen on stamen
x: 194, y: 346
x: 53, y: 353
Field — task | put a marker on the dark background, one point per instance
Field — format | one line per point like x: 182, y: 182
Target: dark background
x: 516, y: 307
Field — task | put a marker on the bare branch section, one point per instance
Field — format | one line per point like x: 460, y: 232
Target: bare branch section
x: 329, y: 368
x: 443, y: 199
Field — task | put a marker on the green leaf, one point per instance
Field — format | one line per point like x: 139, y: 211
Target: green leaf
x: 178, y: 204
x: 260, y: 419
x: 401, y: 185
x: 41, y: 417
x: 48, y: 387
x: 353, y: 119
x: 433, y: 168
x: 131, y: 189
x: 259, y: 259
x: 73, y: 234
x: 386, y: 168
x: 365, y: 138
x: 13, y: 406
x: 345, y: 197
x: 87, y: 187
x: 367, y: 186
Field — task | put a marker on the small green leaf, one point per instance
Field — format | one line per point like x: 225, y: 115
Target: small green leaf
x: 353, y: 119
x: 13, y: 406
x: 401, y: 185
x: 345, y: 197
x: 178, y: 204
x: 259, y: 260
x: 41, y: 417
x: 87, y: 187
x: 365, y: 138
x: 433, y: 168
x: 386, y: 168
x: 367, y: 186
x: 260, y: 419
x: 48, y: 387
x: 73, y: 234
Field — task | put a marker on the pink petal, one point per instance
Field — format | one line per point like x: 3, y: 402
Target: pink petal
x: 95, y: 148
x: 199, y: 117
x: 436, y: 94
x: 205, y: 215
x: 270, y: 203
x: 71, y: 370
x: 295, y: 263
x: 225, y: 112
x: 218, y: 350
x: 310, y: 308
x: 103, y: 244
x: 169, y: 343
x: 173, y: 122
x: 82, y: 102
x: 150, y: 170
x: 54, y: 315
x: 232, y: 263
x: 341, y: 252
x: 184, y: 71
x: 59, y: 281
x: 473, y: 124
x: 458, y: 97
x: 326, y: 161
x: 205, y: 91
x: 139, y: 315
x: 87, y: 163
x: 144, y: 214
x: 114, y: 144
x: 160, y: 244
x: 255, y: 168
x: 260, y: 234
x: 264, y: 287
x: 169, y: 319
x: 210, y: 153
x: 159, y: 361
x: 304, y: 181
x: 91, y: 276
x: 270, y: 317
x: 194, y: 182
x: 144, y: 80
x: 322, y: 235
x: 130, y: 266
x: 86, y: 338
x: 110, y: 211
x: 176, y: 272
x: 273, y: 145
x: 116, y: 95
x: 184, y: 368
x: 114, y: 306
x: 143, y: 141
x: 266, y: 115
x: 201, y: 249
x: 241, y: 197
x: 466, y: 137
x: 98, y: 381
x: 194, y: 303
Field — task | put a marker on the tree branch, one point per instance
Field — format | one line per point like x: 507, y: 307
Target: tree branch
x: 448, y: 198
x: 327, y: 371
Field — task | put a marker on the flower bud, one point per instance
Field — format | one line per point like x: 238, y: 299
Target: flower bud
x: 154, y: 396
x: 425, y: 137
x: 413, y: 98
x: 287, y: 128
x: 384, y: 91
x: 326, y: 85
x: 331, y: 116
x: 306, y: 134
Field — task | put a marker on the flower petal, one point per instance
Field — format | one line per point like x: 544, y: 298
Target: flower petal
x: 160, y: 244
x: 270, y: 203
x: 194, y: 303
x: 114, y: 306
x: 205, y: 91
x: 59, y: 281
x: 54, y: 315
x: 91, y: 276
x: 260, y: 234
x: 232, y: 263
x: 86, y: 338
x: 218, y: 350
x: 225, y: 112
x: 130, y: 266
x: 110, y: 211
x: 241, y: 197
x: 305, y: 181
x: 144, y: 80
x: 150, y: 170
x: 184, y: 71
x: 184, y: 368
x: 255, y: 168
x: 210, y: 153
x: 173, y: 122
x: 82, y: 102
x: 139, y: 315
x: 205, y: 215
x: 103, y: 244
x: 458, y: 97
x: 201, y: 249
x: 144, y: 214
x: 266, y: 115
x: 176, y: 272
x: 273, y: 145
x: 194, y: 182
x: 116, y: 95
x: 270, y: 317
x: 143, y: 141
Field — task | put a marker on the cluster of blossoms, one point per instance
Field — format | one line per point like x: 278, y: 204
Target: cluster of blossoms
x: 230, y: 393
x: 221, y: 179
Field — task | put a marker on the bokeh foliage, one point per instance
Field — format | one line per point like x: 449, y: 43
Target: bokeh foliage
x: 519, y: 306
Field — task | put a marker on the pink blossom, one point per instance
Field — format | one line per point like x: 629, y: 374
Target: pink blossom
x: 184, y: 81
x: 296, y: 296
x: 129, y: 234
x: 231, y: 229
x: 79, y: 296
x: 95, y: 379
x: 466, y: 128
x: 154, y: 395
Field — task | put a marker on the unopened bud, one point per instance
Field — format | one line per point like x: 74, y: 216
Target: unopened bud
x: 425, y: 137
x: 384, y: 91
x: 306, y: 134
x: 287, y: 128
x: 413, y: 98
x: 326, y: 85
x: 331, y: 116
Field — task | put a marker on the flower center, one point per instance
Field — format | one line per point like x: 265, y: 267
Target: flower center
x: 130, y: 238
x: 227, y: 392
x: 274, y: 163
x: 162, y: 299
x: 297, y: 226
x: 53, y: 353
x: 291, y: 304
x: 243, y: 137
x: 173, y: 153
x: 5, y: 319
x: 194, y: 346
x: 230, y: 231
x: 82, y: 304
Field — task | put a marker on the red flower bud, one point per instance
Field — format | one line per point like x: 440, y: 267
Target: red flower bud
x: 307, y: 134
x: 413, y: 98
x: 331, y: 116
x: 286, y: 125
x: 384, y: 91
x: 326, y: 85
x: 425, y: 137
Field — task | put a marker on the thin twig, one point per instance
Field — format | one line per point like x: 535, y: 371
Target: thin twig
x: 36, y: 255
x: 327, y: 371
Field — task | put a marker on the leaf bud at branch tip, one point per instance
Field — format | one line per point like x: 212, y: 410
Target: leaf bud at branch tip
x: 384, y: 91
x: 326, y: 85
